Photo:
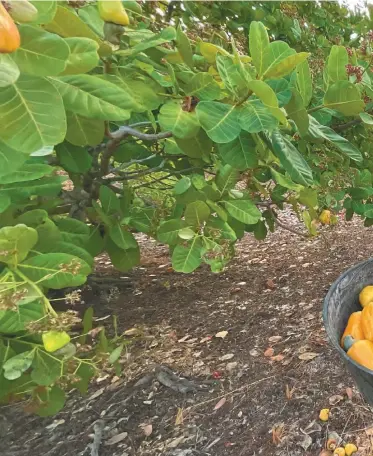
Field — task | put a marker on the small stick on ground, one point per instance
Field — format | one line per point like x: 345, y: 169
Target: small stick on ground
x: 98, y: 428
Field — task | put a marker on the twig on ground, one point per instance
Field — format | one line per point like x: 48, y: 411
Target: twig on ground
x: 98, y: 428
x: 181, y: 385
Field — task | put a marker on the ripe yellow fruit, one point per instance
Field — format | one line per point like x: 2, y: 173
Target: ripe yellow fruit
x: 324, y: 414
x: 350, y: 449
x: 339, y: 452
x: 54, y: 340
x: 113, y: 11
x: 325, y: 217
x: 366, y: 295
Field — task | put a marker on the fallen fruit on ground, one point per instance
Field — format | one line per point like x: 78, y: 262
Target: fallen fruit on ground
x: 350, y: 449
x: 324, y: 414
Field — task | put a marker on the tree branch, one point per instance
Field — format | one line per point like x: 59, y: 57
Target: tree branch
x: 289, y: 228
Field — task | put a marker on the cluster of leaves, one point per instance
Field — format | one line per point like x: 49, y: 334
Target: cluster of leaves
x: 191, y: 142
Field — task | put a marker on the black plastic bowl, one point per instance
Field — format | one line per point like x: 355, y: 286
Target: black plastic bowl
x: 341, y: 300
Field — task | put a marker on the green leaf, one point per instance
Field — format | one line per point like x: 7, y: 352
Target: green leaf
x: 93, y: 97
x: 244, y: 211
x: 46, y: 10
x: 46, y: 186
x: 274, y: 54
x: 203, y: 86
x: 73, y: 231
x: 53, y: 401
x: 186, y: 258
x: 184, y: 47
x: 225, y: 230
x: 167, y: 232
x: 343, y: 96
x: 280, y: 66
x: 219, y: 120
x: 304, y: 82
x: 258, y: 44
x: 115, y: 354
x: 337, y: 61
x: 186, y: 233
x: 9, y: 71
x: 46, y: 369
x: 27, y: 172
x: 67, y: 23
x: 308, y: 197
x: 298, y: 113
x: 366, y: 118
x: 181, y: 123
x: 240, y: 153
x: 73, y: 158
x: 48, y: 236
x: 87, y: 325
x: 41, y: 53
x: 10, y: 160
x: 268, y: 97
x: 284, y: 181
x: 71, y: 249
x: 321, y: 131
x: 198, y: 147
x: 5, y: 202
x: 12, y: 322
x: 232, y: 75
x: 32, y: 114
x: 18, y: 364
x: 94, y: 245
x: 109, y: 200
x: 281, y: 89
x: 33, y: 218
x: 16, y: 242
x: 260, y: 231
x: 123, y: 260
x: 182, y: 185
x: 56, y: 270
x: 82, y: 131
x: 196, y: 213
x: 166, y: 35
x: 85, y: 372
x: 291, y: 159
x: 83, y: 55
x: 122, y: 238
x: 226, y: 178
x: 255, y: 117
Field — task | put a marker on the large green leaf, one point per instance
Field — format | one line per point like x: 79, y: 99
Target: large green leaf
x: 317, y: 130
x: 166, y: 35
x: 83, y: 55
x: 291, y: 159
x: 297, y: 112
x: 181, y: 123
x: 226, y: 178
x: 109, y: 200
x: 197, y: 147
x: 240, y: 153
x: 82, y: 131
x: 142, y: 218
x: 32, y: 114
x: 275, y: 53
x: 71, y: 249
x: 67, y: 23
x: 53, y: 401
x: 123, y: 260
x: 122, y: 238
x: 268, y: 97
x: 203, y: 86
x: 45, y: 186
x: 255, y: 117
x: 93, y: 97
x: 282, y: 90
x: 73, y: 158
x: 10, y: 160
x: 187, y: 257
x: 343, y: 96
x: 72, y: 230
x: 244, y: 211
x: 56, y: 270
x: 232, y: 75
x: 196, y: 213
x: 219, y: 120
x: 27, y: 172
x: 5, y: 202
x: 258, y: 44
x: 46, y: 369
x: 12, y: 322
x: 304, y: 82
x: 41, y: 53
x: 184, y: 47
x: 16, y: 365
x: 337, y: 61
x: 16, y: 242
x: 46, y: 10
x: 9, y: 71
x: 168, y: 231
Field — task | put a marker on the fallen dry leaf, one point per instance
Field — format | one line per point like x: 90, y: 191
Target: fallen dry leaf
x: 116, y: 438
x: 183, y: 339
x: 369, y: 431
x: 271, y: 284
x: 307, y: 356
x: 269, y: 352
x: 277, y: 357
x: 179, y: 417
x: 205, y: 339
x: 334, y: 400
x: 176, y: 442
x: 220, y: 404
x: 226, y: 357
x: 277, y: 434
x: 221, y: 334
x: 254, y: 353
x: 274, y: 339
x: 132, y: 332
x: 349, y: 393
x: 147, y: 429
x: 289, y: 392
